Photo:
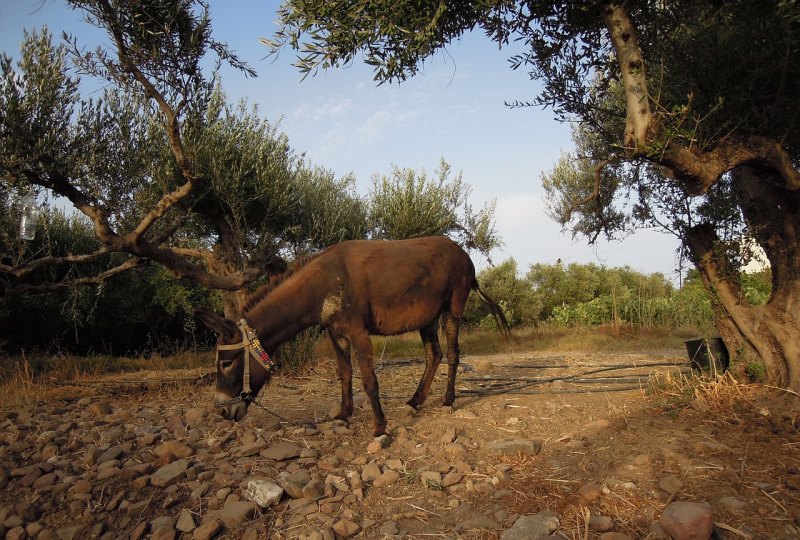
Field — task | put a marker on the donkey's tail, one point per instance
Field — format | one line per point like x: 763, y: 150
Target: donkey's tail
x: 494, y: 307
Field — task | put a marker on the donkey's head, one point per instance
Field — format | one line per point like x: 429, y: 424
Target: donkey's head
x: 242, y: 365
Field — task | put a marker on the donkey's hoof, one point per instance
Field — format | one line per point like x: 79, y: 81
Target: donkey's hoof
x: 378, y: 444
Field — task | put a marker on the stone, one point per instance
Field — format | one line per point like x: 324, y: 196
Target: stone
x: 590, y: 492
x: 532, y: 526
x: 528, y: 447
x: 17, y: 533
x: 115, y: 452
x: 670, y: 484
x: 99, y: 408
x: 389, y: 528
x: 452, y: 479
x: 485, y: 366
x: 386, y: 479
x: 251, y: 449
x: 185, y: 521
x: 346, y: 528
x: 431, y: 479
x: 455, y: 450
x: 29, y: 512
x: 449, y: 436
x: 74, y: 532
x: 170, y: 474
x: 195, y: 415
x: 172, y: 450
x: 314, y: 489
x: 237, y: 512
x: 684, y: 520
x: 378, y: 444
x: 207, y: 530
x: 262, y: 492
x: 600, y: 523
x: 370, y: 472
x: 281, y: 451
x: 478, y: 522
x: 732, y: 503
x: 164, y: 533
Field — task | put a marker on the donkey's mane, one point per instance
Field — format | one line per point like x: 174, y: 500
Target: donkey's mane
x: 274, y: 280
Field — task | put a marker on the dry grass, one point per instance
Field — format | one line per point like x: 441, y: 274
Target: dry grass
x: 29, y: 380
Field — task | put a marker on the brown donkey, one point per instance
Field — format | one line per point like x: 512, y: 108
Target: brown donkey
x: 352, y: 289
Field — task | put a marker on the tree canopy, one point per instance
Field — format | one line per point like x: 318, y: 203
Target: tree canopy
x: 685, y: 116
x: 164, y: 169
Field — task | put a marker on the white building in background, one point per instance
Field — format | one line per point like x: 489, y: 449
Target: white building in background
x: 758, y: 259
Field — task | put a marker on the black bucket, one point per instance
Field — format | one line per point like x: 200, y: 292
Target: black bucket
x: 708, y: 354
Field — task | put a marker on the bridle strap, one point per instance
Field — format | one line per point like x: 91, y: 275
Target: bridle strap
x: 253, y: 347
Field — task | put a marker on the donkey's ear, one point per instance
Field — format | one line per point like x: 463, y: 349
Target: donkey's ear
x: 219, y: 324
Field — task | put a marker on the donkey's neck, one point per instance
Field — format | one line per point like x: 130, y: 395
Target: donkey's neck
x: 290, y: 308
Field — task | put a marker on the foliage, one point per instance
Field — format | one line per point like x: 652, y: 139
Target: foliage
x: 686, y: 117
x: 409, y: 204
x: 518, y: 300
x: 137, y: 312
x: 578, y: 295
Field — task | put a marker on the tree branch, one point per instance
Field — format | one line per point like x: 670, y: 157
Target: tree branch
x: 26, y: 269
x: 130, y: 264
x: 698, y: 172
x: 173, y: 126
x: 598, y: 170
x: 634, y: 78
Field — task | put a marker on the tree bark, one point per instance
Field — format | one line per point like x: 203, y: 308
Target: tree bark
x: 767, y: 184
x: 765, y: 334
x: 622, y: 32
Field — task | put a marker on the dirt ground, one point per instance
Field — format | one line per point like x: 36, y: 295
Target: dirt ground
x: 640, y: 427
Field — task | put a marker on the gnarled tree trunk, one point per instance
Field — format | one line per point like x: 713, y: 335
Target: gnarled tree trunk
x: 769, y: 333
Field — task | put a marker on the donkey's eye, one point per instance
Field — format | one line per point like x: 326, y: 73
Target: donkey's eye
x: 225, y: 364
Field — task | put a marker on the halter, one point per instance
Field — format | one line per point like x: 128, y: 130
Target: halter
x: 254, y: 348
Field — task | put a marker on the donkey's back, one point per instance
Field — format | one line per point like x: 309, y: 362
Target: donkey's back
x: 398, y: 286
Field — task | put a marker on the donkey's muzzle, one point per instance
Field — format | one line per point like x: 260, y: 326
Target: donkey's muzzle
x: 233, y: 411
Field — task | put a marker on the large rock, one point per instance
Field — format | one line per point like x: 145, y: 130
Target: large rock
x: 281, y: 451
x: 262, y: 492
x: 172, y: 450
x: 185, y: 521
x: 346, y: 528
x: 236, y: 513
x: 386, y: 479
x: 207, y: 530
x: 684, y: 520
x: 170, y: 474
x: 528, y: 447
x: 532, y: 526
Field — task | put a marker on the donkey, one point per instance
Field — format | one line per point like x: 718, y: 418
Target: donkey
x: 352, y: 289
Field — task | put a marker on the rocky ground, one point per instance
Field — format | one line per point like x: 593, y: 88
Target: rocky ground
x: 571, y: 446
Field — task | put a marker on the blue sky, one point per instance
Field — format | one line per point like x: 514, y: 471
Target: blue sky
x: 455, y: 109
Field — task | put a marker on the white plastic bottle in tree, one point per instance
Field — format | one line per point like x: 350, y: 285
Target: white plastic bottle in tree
x: 30, y: 217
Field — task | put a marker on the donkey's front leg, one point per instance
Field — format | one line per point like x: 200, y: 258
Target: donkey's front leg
x: 341, y: 345
x: 363, y: 346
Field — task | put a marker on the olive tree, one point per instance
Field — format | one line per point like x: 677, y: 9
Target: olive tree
x: 690, y: 107
x: 162, y: 167
x: 409, y: 204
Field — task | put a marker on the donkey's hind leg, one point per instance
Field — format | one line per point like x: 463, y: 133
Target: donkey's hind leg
x: 433, y: 356
x: 451, y: 328
x: 345, y: 371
